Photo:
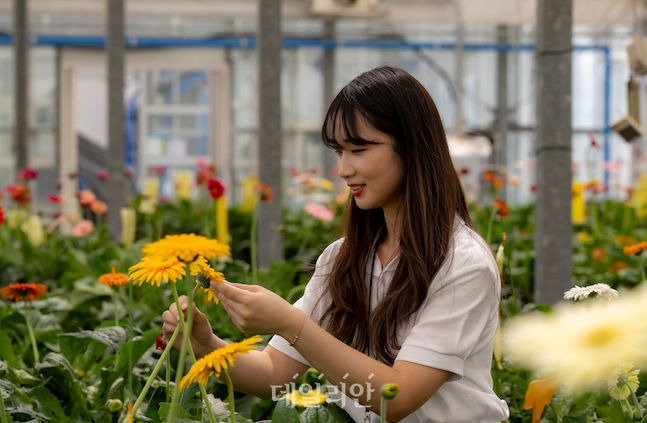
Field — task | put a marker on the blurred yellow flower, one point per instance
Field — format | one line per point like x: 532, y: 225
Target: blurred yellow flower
x: 216, y: 361
x: 326, y: 184
x: 113, y: 278
x: 581, y: 344
x: 306, y: 399
x: 624, y: 378
x: 34, y: 230
x: 128, y: 225
x: 183, y: 184
x: 157, y: 269
x: 584, y: 238
x: 151, y: 188
x: 186, y: 247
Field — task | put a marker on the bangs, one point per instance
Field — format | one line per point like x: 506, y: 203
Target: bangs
x: 342, y: 118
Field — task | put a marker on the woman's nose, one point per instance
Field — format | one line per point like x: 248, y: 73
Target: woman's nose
x: 344, y: 168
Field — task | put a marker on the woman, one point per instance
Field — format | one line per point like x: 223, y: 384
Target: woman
x: 408, y: 296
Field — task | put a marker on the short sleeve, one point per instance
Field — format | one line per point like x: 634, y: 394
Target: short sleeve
x: 312, y: 302
x: 456, y: 318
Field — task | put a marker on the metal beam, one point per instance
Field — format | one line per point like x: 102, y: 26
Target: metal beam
x: 553, y: 226
x: 500, y: 143
x: 329, y: 159
x: 116, y: 185
x: 21, y: 86
x: 269, y: 129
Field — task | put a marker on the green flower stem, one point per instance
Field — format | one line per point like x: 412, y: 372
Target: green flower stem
x: 203, y: 392
x: 156, y: 369
x: 32, y: 338
x: 179, y: 373
x: 130, y: 342
x: 382, y: 410
x: 114, y: 303
x: 230, y: 396
x: 488, y: 237
x: 168, y: 376
x: 642, y: 267
x: 3, y: 412
x: 252, y: 243
x: 634, y: 401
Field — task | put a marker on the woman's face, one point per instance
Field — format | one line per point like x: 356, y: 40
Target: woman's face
x: 374, y: 172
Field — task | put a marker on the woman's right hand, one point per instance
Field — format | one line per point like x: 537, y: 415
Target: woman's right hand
x: 203, y: 339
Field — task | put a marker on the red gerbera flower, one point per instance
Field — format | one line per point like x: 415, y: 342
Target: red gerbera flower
x: 27, y: 174
x: 54, y: 199
x: 19, y: 193
x: 216, y: 189
x: 23, y: 291
x: 103, y: 175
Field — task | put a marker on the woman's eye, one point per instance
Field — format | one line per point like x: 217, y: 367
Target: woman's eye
x: 358, y: 150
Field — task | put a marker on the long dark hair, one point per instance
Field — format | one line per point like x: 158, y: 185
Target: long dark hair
x: 393, y: 102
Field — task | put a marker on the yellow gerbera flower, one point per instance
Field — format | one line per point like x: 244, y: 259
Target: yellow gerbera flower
x: 581, y: 344
x: 113, y: 278
x: 213, y: 363
x: 201, y: 266
x: 209, y: 295
x: 186, y: 247
x: 157, y: 269
x: 305, y: 399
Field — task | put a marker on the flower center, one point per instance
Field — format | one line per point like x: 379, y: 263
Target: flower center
x: 600, y: 337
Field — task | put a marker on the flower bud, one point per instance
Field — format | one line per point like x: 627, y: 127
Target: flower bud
x: 389, y: 391
x: 114, y: 405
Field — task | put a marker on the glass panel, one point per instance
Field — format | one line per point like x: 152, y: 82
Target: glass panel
x: 160, y: 87
x: 44, y: 147
x: 194, y: 87
x: 177, y: 135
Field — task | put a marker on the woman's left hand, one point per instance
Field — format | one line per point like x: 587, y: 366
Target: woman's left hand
x: 254, y: 309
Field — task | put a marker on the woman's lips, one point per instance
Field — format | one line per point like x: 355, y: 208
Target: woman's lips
x: 356, y: 190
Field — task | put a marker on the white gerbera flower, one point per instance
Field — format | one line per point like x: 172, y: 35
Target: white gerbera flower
x: 599, y: 289
x: 581, y: 344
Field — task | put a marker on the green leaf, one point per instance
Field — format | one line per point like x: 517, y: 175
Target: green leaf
x: 338, y: 414
x: 316, y: 414
x: 63, y: 383
x: 180, y: 414
x: 6, y: 350
x: 284, y: 412
x: 49, y: 404
x: 77, y: 342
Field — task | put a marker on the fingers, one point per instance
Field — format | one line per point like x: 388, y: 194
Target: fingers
x: 227, y: 290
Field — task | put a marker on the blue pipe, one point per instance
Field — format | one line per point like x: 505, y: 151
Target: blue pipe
x: 290, y: 43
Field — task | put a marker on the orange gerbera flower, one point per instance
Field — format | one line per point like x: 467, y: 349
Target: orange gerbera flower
x: 23, y: 291
x: 636, y: 248
x: 501, y: 207
x: 113, y: 278
x: 264, y: 191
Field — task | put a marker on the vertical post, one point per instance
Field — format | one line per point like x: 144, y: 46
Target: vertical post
x: 553, y: 227
x: 329, y: 159
x: 500, y: 141
x: 116, y: 184
x: 21, y: 78
x: 269, y: 129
